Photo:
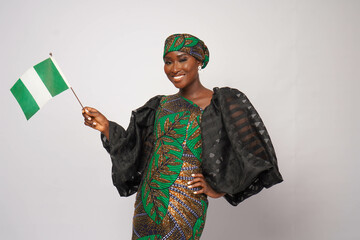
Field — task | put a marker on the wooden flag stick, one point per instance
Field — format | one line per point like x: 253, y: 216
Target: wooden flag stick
x: 82, y: 107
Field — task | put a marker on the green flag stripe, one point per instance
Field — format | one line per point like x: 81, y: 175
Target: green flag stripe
x: 25, y: 99
x: 51, y: 77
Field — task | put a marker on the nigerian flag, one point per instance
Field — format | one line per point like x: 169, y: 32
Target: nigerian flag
x: 37, y: 85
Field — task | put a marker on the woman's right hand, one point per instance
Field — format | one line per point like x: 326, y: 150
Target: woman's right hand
x: 94, y: 119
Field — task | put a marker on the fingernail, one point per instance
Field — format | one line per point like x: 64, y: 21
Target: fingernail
x: 195, y: 192
x: 188, y: 183
x: 86, y: 110
x: 190, y: 186
x: 94, y: 123
x: 193, y: 175
x: 89, y: 118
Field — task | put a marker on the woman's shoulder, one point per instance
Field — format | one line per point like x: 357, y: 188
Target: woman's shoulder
x: 170, y: 96
x: 228, y: 91
x: 152, y: 103
x: 155, y: 101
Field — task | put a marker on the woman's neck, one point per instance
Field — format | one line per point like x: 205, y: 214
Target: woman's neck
x: 198, y: 94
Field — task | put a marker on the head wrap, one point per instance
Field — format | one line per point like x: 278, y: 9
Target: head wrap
x: 189, y: 44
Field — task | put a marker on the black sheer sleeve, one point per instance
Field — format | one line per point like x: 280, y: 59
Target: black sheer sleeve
x: 238, y: 156
x: 129, y: 149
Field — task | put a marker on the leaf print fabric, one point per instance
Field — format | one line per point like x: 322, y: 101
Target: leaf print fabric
x: 165, y: 207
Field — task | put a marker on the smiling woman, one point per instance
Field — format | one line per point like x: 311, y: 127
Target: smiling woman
x: 180, y: 149
x: 181, y: 69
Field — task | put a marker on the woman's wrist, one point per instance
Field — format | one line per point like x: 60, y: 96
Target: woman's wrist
x: 106, y: 130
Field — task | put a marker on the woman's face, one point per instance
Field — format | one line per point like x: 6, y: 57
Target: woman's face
x: 181, y: 69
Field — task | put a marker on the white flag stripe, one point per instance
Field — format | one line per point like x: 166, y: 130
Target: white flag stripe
x: 36, y: 87
x: 59, y: 69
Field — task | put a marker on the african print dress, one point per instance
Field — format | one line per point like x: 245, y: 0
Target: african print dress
x: 165, y: 207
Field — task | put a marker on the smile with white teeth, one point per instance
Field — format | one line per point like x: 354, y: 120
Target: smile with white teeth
x: 178, y: 77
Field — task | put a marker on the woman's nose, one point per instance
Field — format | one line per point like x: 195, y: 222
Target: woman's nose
x: 176, y: 67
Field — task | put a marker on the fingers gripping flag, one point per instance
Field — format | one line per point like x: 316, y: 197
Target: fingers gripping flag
x: 37, y: 85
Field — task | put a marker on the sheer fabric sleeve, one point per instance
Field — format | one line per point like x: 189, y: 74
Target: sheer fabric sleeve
x: 239, y: 158
x: 130, y: 148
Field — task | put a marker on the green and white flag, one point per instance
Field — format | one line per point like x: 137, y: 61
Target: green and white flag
x: 38, y: 85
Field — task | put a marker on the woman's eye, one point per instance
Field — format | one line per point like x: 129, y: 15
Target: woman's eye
x: 183, y: 60
x: 167, y: 62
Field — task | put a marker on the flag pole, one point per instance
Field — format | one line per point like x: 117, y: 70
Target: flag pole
x: 82, y: 107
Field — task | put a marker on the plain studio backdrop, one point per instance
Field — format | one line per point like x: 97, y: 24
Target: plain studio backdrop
x: 296, y: 60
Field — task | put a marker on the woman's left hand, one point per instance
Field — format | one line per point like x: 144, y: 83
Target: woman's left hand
x: 199, y: 181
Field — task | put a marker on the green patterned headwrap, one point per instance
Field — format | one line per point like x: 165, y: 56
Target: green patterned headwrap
x: 189, y: 44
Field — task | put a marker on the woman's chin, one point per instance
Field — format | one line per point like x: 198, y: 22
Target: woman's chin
x: 178, y: 85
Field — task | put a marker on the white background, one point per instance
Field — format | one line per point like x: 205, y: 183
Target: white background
x: 297, y: 60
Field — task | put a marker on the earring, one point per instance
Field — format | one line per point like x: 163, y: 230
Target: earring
x: 199, y: 68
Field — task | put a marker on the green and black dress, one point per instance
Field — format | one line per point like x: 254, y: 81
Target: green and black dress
x: 168, y: 139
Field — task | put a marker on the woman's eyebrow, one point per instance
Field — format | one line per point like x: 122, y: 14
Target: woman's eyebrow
x: 181, y: 55
x: 177, y: 56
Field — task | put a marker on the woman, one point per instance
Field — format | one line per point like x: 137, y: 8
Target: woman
x: 181, y: 148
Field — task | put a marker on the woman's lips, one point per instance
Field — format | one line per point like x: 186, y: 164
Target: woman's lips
x: 178, y: 78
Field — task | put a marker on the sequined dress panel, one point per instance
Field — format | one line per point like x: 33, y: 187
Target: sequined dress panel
x: 165, y: 207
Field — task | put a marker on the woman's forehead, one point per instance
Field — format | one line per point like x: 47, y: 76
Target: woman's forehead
x: 176, y: 54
